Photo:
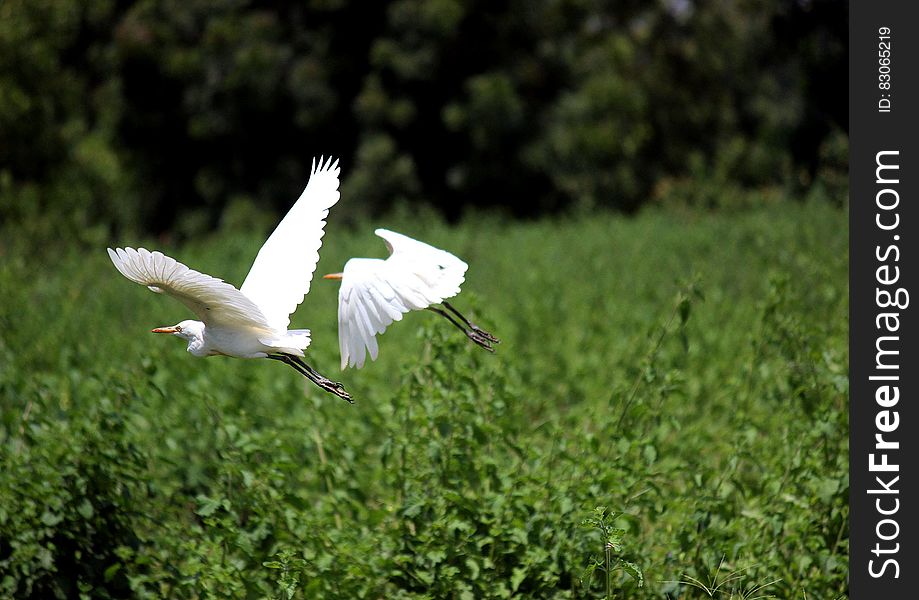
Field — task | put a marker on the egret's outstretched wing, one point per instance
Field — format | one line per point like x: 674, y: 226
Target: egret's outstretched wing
x: 214, y: 301
x: 281, y: 274
x: 374, y: 293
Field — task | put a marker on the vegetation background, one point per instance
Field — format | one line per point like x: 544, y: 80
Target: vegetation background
x: 651, y: 197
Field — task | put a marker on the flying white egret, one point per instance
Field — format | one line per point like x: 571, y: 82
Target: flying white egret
x: 376, y: 292
x: 250, y: 322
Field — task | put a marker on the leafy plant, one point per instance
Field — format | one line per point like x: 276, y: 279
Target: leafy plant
x: 708, y: 429
x: 603, y: 521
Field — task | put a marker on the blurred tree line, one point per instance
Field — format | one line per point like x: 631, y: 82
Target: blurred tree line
x: 179, y: 115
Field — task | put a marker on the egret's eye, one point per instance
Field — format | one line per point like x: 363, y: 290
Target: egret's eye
x: 178, y: 328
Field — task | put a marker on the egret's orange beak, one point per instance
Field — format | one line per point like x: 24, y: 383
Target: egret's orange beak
x: 164, y: 330
x: 333, y: 276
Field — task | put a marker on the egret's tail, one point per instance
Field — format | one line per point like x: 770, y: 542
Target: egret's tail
x: 294, y: 341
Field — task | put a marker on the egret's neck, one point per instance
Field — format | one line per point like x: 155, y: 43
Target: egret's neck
x: 195, y: 333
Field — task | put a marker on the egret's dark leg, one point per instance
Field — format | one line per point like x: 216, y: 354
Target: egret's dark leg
x: 314, y: 372
x: 310, y: 373
x: 447, y: 317
x: 336, y: 387
x: 471, y: 333
x: 471, y: 325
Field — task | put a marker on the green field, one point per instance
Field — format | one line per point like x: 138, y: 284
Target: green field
x: 685, y: 370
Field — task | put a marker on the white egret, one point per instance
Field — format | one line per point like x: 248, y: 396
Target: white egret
x: 250, y: 322
x: 376, y: 292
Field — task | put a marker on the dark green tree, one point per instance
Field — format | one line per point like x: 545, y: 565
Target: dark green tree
x: 159, y: 114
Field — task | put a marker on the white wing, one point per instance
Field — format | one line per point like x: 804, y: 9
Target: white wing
x: 281, y: 274
x: 374, y: 292
x: 214, y: 301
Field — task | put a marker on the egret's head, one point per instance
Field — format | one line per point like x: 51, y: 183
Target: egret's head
x: 187, y: 330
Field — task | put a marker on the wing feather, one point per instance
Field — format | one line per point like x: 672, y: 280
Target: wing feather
x: 281, y: 274
x: 374, y: 292
x: 214, y: 301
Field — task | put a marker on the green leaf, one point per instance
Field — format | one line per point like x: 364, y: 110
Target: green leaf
x: 588, y: 572
x: 51, y: 519
x: 517, y: 577
x: 207, y: 506
x: 633, y: 570
x: 85, y: 509
x: 614, y: 539
x: 827, y: 488
x: 473, y: 568
x: 111, y: 571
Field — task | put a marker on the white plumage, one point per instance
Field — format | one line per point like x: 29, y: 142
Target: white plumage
x: 376, y: 292
x: 219, y: 305
x: 281, y: 274
x: 249, y: 322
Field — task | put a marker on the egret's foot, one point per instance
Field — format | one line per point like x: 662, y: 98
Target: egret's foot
x: 481, y: 332
x: 336, y: 388
x: 476, y: 336
x: 475, y: 333
x: 333, y: 387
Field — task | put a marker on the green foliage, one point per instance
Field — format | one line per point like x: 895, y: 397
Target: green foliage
x: 69, y: 492
x: 158, y: 115
x: 604, y: 521
x: 686, y: 370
